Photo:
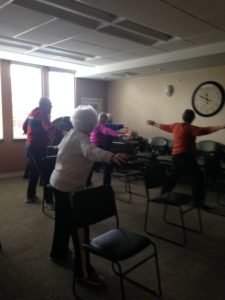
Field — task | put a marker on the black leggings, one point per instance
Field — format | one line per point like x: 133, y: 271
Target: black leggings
x: 186, y: 164
x: 63, y: 229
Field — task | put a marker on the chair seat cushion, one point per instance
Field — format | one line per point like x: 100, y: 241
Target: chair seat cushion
x: 117, y: 244
x: 173, y: 198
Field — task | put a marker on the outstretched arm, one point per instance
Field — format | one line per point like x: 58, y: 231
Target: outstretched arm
x: 153, y: 123
x: 216, y: 128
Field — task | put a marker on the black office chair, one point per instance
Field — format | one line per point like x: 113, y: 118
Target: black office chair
x: 97, y: 204
x: 155, y: 176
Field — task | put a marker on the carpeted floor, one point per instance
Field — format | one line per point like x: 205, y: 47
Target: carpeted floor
x: 196, y: 272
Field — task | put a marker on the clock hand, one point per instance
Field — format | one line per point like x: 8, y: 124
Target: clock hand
x: 205, y: 98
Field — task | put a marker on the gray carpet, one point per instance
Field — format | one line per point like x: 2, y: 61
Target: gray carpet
x: 196, y: 272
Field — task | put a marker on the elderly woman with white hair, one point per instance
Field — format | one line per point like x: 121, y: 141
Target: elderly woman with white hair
x: 76, y: 156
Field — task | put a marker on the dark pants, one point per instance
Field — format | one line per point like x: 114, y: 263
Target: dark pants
x: 64, y: 229
x: 186, y: 164
x: 35, y: 155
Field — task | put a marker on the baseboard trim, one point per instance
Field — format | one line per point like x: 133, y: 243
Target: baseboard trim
x: 11, y: 175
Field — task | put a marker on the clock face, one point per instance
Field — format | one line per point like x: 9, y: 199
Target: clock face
x: 208, y: 98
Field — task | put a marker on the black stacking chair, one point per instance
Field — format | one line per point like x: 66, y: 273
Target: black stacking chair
x: 116, y: 245
x: 215, y: 181
x: 130, y: 175
x: 159, y: 145
x: 155, y: 176
x: 48, y: 165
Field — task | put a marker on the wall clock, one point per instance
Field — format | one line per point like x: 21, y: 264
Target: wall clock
x: 208, y: 98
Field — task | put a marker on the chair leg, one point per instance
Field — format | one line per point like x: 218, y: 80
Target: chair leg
x: 183, y: 212
x: 182, y: 226
x: 123, y: 276
x: 128, y: 188
x: 74, y: 288
x: 146, y: 223
x: 120, y: 274
x: 222, y: 203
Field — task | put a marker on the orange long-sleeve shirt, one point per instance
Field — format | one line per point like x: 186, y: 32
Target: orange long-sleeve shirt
x: 184, y: 136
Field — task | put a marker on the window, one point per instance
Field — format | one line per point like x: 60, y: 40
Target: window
x: 1, y: 122
x: 26, y: 92
x: 61, y: 94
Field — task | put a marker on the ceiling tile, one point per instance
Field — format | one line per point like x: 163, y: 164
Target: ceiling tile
x: 74, y: 45
x: 175, y: 45
x: 9, y: 30
x: 22, y: 16
x: 39, y: 37
x: 147, y: 51
x: 58, y: 28
x: 186, y: 29
x: 203, y: 9
x: 207, y: 38
x: 123, y: 56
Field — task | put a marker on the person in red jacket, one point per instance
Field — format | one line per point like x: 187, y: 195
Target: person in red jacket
x: 183, y: 154
x: 39, y: 131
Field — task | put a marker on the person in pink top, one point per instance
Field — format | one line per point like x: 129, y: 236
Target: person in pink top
x: 101, y: 136
x: 183, y: 154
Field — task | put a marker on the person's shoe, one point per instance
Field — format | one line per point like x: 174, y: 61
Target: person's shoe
x: 62, y: 258
x: 50, y: 205
x: 92, y: 280
x: 32, y: 200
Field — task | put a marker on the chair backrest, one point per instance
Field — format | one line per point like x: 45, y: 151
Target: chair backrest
x: 48, y: 165
x: 169, y: 145
x: 213, y: 167
x: 158, y: 141
x: 159, y: 145
x: 207, y: 146
x: 93, y: 205
x: 155, y: 175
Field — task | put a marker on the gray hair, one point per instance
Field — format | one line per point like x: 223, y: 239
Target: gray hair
x: 84, y: 118
x: 44, y: 101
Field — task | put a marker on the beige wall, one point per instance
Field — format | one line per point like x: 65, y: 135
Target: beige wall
x: 133, y: 101
x: 90, y: 88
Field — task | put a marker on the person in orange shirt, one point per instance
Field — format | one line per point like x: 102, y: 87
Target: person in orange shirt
x: 183, y: 154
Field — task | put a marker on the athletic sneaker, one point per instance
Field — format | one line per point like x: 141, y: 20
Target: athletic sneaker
x: 32, y: 200
x: 50, y: 205
x: 93, y: 280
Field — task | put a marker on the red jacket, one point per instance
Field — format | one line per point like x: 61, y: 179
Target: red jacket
x: 38, y: 128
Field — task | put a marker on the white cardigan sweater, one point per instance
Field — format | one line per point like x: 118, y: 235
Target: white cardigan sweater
x: 76, y: 156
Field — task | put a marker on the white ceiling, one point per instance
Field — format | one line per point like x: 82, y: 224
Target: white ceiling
x: 113, y: 39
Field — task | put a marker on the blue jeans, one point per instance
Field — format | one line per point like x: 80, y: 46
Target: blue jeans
x: 35, y: 155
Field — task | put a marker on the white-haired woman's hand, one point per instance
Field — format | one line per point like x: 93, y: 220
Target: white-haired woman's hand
x: 119, y: 158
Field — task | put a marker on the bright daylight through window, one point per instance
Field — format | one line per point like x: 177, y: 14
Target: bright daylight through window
x: 61, y: 94
x: 1, y: 123
x: 26, y: 92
